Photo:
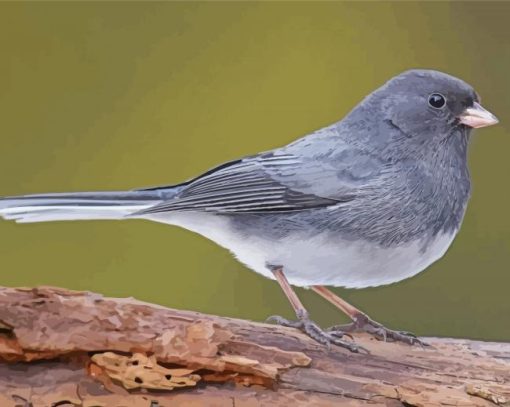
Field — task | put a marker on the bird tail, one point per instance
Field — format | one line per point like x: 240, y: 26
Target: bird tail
x: 76, y: 205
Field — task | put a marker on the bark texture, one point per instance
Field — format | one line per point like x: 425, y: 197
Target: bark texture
x: 67, y: 348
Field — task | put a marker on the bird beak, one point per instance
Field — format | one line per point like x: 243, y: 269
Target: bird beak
x: 476, y: 117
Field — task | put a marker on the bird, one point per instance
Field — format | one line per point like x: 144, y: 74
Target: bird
x: 369, y: 200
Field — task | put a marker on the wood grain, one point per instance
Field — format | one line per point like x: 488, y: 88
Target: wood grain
x: 66, y: 348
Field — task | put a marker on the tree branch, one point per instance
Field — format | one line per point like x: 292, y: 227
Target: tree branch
x: 68, y: 348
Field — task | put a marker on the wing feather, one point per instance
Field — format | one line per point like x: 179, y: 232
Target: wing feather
x: 245, y: 186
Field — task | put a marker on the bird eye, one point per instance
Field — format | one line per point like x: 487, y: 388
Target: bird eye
x: 437, y: 101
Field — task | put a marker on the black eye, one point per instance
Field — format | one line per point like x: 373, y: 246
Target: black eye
x: 437, y: 101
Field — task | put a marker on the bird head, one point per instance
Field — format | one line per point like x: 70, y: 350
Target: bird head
x: 428, y: 105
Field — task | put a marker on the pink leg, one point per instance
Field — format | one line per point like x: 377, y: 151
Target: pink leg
x: 361, y: 321
x: 304, y: 323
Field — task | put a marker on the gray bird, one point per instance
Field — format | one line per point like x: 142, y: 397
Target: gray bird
x: 370, y: 200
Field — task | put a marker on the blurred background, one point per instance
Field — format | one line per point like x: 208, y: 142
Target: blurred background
x: 123, y: 95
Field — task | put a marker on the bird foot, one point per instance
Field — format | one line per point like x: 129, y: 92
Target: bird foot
x: 362, y: 323
x: 315, y: 332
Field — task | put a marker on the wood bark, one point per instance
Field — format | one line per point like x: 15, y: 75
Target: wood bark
x: 66, y: 348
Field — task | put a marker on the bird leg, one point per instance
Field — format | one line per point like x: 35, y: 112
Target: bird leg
x: 303, y: 322
x: 361, y: 322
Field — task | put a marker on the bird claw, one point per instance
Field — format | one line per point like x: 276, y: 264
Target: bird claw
x: 315, y: 332
x: 363, y: 323
x: 278, y: 320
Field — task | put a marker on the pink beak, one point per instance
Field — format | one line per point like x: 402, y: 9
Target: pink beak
x: 476, y: 117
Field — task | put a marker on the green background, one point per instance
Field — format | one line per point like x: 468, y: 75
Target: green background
x: 123, y: 95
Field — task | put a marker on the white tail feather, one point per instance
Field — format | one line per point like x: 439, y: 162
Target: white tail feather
x: 30, y: 214
x: 76, y: 206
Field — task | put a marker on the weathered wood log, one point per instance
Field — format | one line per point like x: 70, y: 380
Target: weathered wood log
x: 67, y: 348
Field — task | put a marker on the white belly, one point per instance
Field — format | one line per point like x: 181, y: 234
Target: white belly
x: 320, y: 260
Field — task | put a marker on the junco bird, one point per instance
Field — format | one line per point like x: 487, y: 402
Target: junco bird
x: 370, y: 200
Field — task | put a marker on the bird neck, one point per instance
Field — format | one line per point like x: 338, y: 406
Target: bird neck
x: 440, y: 182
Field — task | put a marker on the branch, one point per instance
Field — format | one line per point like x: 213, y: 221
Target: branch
x: 68, y: 348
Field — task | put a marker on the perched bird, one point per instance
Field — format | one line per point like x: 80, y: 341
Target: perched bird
x: 370, y: 200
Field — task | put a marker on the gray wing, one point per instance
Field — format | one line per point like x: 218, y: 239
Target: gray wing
x: 294, y: 178
x: 248, y: 185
